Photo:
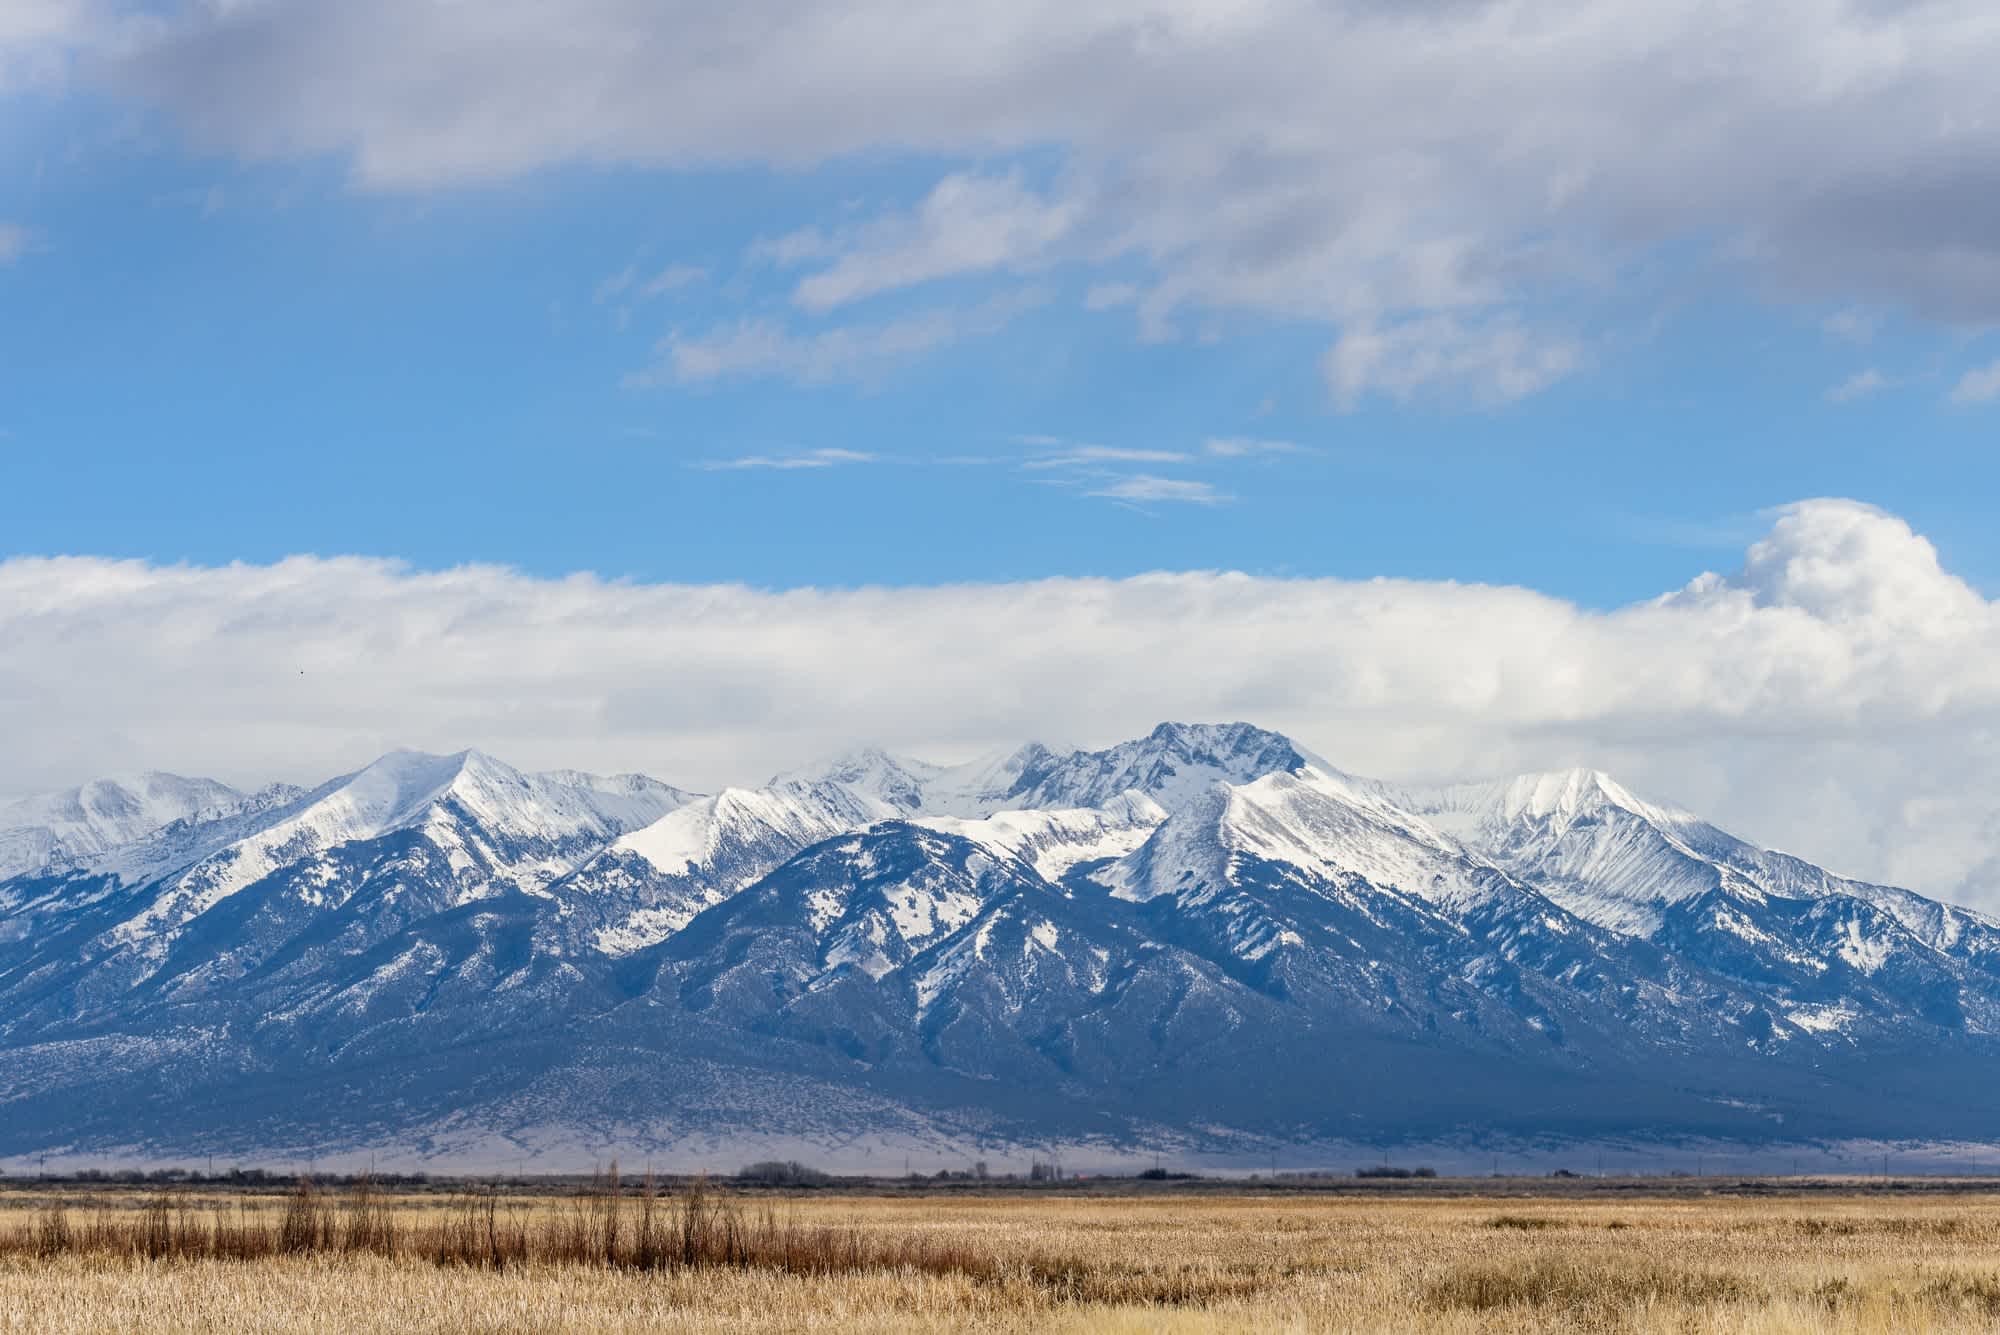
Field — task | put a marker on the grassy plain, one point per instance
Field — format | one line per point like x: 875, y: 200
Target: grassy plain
x: 1006, y: 1261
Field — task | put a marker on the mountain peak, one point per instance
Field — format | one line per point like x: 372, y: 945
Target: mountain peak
x: 82, y: 822
x: 1553, y: 799
x: 1564, y: 792
x: 869, y: 770
x: 1569, y: 794
x: 1219, y: 738
x: 1173, y: 764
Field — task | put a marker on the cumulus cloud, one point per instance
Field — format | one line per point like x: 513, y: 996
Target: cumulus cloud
x: 1834, y: 696
x: 1399, y: 172
x: 1846, y: 563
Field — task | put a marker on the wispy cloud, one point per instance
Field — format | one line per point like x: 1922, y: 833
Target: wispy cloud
x: 1144, y: 487
x: 1850, y: 326
x: 793, y: 248
x: 617, y: 284
x: 1110, y: 296
x: 1858, y: 386
x: 13, y: 242
x: 786, y: 462
x: 1079, y: 456
x: 754, y: 348
x: 672, y: 279
x: 1242, y: 447
x: 628, y: 282
x: 1492, y: 364
x: 968, y: 224
x: 1981, y: 385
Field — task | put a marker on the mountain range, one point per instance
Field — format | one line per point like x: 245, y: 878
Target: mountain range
x: 1207, y: 937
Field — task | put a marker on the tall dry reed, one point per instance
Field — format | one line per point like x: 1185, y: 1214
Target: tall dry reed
x: 606, y: 1225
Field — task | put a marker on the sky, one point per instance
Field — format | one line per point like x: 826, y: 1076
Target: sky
x: 1465, y: 386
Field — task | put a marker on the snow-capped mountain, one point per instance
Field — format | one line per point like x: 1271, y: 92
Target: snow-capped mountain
x: 654, y: 881
x: 300, y: 876
x: 67, y: 828
x: 1662, y: 874
x: 1207, y: 932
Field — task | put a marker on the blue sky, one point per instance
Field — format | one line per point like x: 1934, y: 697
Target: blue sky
x: 346, y: 339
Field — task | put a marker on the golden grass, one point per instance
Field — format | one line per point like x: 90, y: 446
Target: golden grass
x: 1021, y: 1263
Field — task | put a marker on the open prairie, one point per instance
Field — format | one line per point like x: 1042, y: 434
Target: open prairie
x: 99, y: 1258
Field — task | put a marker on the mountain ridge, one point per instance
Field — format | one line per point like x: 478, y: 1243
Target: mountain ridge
x: 1124, y: 942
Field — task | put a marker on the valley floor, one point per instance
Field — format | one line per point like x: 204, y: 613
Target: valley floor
x: 1825, y: 1261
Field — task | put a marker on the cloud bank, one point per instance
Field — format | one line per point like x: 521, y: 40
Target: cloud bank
x: 1835, y: 696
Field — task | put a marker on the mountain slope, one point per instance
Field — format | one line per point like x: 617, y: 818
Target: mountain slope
x: 304, y: 876
x: 1831, y: 953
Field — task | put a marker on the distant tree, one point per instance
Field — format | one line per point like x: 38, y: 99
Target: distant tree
x: 782, y: 1173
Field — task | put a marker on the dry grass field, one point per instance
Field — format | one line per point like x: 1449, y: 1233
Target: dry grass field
x: 83, y: 1260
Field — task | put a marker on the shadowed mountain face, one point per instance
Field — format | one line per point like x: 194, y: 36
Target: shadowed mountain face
x: 1205, y: 933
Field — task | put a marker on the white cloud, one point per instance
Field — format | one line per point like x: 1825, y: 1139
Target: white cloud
x: 38, y: 37
x: 1835, y: 697
x: 13, y: 242
x: 1379, y: 169
x: 967, y: 224
x: 1074, y: 456
x: 1858, y: 386
x: 828, y: 458
x: 1144, y: 487
x: 757, y: 348
x: 1981, y: 385
x: 1492, y: 364
x: 1244, y: 447
x: 672, y: 279
x: 1847, y: 563
x: 628, y: 282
